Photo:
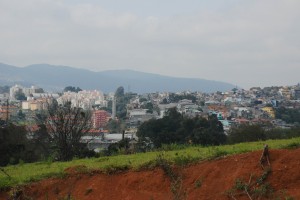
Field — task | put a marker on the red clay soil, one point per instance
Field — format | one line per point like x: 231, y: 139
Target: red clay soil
x: 206, y: 180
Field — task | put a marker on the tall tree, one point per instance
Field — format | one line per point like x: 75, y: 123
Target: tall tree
x: 122, y: 100
x: 119, y: 92
x: 66, y: 125
x: 208, y: 131
x: 13, y: 144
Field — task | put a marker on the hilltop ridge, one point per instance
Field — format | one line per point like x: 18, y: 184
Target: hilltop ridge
x: 55, y: 78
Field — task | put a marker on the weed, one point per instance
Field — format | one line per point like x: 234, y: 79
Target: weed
x: 173, y: 146
x: 217, y: 152
x: 88, y: 191
x: 81, y: 169
x: 6, y: 182
x: 176, y: 179
x: 112, y: 169
x: 67, y: 197
x: 289, y: 198
x: 102, y: 159
x: 47, y: 196
x: 241, y: 185
x: 182, y: 160
x: 198, y: 183
x: 21, y: 162
x: 56, y: 190
x: 264, y: 176
x: 293, y: 145
x: 165, y: 165
x: 177, y: 190
x: 262, y: 190
x: 254, y: 190
x: 47, y: 161
x: 16, y: 193
x: 283, y: 195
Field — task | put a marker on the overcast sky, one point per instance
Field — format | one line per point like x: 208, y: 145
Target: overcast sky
x: 244, y: 42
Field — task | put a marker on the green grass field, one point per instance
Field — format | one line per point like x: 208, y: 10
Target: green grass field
x: 25, y: 173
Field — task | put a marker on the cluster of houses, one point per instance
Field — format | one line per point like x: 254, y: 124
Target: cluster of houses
x: 238, y: 106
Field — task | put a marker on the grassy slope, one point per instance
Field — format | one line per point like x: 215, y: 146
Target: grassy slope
x: 25, y: 173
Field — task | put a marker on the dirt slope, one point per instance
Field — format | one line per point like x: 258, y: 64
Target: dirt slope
x: 206, y: 180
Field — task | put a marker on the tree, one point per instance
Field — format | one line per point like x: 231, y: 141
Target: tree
x: 289, y: 115
x: 174, y: 128
x: 122, y: 100
x: 13, y: 144
x: 21, y: 115
x: 164, y: 101
x: 119, y: 92
x: 142, y: 99
x: 208, y: 131
x: 39, y: 144
x: 66, y: 125
x: 115, y: 126
x: 148, y: 106
x: 72, y: 89
x: 39, y: 90
x: 20, y: 96
x: 165, y: 130
x: 246, y: 133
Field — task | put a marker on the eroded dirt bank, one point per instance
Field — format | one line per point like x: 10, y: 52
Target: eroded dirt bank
x: 207, y: 180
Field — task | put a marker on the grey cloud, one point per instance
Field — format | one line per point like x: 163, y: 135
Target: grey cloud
x: 228, y: 43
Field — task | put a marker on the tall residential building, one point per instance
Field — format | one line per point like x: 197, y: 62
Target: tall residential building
x: 18, y: 88
x: 100, y: 118
x: 84, y: 99
x: 297, y: 92
x: 13, y: 90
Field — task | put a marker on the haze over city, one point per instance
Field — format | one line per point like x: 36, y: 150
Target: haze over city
x: 246, y: 43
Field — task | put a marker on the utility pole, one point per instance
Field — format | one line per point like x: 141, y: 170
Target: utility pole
x: 7, y: 111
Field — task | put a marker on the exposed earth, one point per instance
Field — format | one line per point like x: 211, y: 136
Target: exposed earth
x: 215, y: 179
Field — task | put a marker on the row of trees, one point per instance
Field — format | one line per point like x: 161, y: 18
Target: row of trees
x: 175, y: 98
x: 60, y: 129
x: 174, y: 128
x: 288, y: 115
x: 58, y: 136
x: 16, y: 145
x: 251, y: 133
x: 72, y: 89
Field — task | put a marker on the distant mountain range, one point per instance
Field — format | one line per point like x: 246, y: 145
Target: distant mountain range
x: 55, y: 78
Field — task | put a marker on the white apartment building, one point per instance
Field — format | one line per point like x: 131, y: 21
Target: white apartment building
x: 18, y: 88
x: 84, y: 99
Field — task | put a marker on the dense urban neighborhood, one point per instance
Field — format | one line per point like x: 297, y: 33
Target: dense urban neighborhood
x: 116, y: 116
x: 257, y: 105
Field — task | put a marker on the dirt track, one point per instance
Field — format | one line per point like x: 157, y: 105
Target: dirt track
x: 206, y: 180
